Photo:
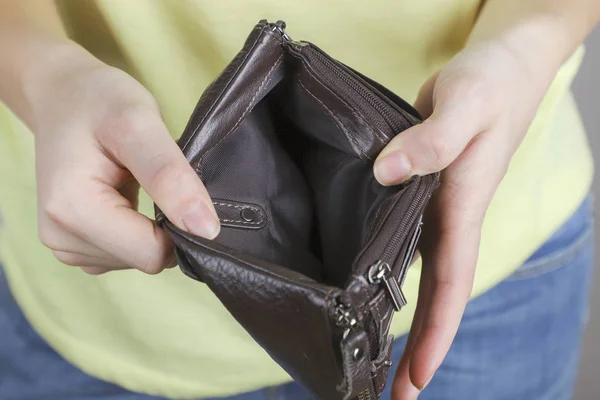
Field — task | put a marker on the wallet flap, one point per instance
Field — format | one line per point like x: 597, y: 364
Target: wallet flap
x: 296, y: 305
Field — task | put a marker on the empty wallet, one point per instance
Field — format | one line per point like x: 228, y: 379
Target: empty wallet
x: 313, y: 251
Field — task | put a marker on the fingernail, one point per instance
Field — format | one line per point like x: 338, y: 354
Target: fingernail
x: 425, y: 385
x: 200, y: 220
x: 392, y: 168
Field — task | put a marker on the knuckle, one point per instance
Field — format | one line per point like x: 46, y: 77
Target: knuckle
x: 55, y: 206
x: 151, y: 265
x: 156, y: 261
x: 166, y: 174
x: 440, y: 152
x: 123, y: 126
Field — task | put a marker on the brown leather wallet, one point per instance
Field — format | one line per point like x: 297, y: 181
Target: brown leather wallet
x: 313, y: 251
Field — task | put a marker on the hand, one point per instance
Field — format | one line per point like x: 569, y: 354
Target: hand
x: 478, y: 110
x: 98, y: 133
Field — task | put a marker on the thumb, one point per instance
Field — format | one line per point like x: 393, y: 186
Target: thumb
x: 142, y: 144
x: 434, y: 144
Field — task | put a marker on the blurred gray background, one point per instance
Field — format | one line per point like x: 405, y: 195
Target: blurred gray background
x: 587, y: 93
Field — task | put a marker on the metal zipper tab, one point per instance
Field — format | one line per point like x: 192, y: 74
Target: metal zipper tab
x: 279, y: 26
x: 382, y: 272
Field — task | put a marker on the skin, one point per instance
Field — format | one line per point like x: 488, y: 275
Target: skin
x: 98, y: 134
x: 478, y: 110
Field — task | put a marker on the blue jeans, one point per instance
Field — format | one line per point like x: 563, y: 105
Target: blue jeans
x: 520, y: 340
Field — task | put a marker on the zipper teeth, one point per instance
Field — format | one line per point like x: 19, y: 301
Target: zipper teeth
x: 364, y: 395
x: 359, y: 87
x: 395, y: 242
x: 395, y: 124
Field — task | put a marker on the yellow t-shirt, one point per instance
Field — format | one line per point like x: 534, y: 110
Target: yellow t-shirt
x: 168, y: 335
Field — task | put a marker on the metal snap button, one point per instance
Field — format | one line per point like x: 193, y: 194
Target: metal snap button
x: 247, y: 214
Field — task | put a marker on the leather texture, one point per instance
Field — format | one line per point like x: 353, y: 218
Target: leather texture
x: 312, y: 251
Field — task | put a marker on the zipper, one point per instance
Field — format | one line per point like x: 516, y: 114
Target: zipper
x: 364, y: 395
x: 381, y: 271
x: 358, y: 86
x: 355, y: 85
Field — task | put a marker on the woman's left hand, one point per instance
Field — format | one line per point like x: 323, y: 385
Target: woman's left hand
x: 477, y: 111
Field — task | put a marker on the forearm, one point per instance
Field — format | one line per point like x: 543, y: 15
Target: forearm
x: 31, y: 39
x: 541, y: 33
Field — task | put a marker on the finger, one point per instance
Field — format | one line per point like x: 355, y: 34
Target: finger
x: 141, y: 142
x: 402, y: 387
x: 131, y: 237
x: 431, y: 146
x: 83, y: 260
x: 451, y: 282
x: 55, y: 237
x: 107, y: 221
x: 450, y: 253
x: 71, y: 250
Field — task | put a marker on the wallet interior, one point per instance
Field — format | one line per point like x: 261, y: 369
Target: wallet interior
x: 291, y: 184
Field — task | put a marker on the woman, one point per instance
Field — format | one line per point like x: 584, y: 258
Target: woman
x: 105, y: 86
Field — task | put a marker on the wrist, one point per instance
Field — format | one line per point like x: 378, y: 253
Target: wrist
x: 30, y: 61
x: 539, y: 43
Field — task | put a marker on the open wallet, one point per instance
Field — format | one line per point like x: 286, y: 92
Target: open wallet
x: 313, y: 251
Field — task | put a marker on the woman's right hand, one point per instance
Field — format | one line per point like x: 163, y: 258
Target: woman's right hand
x: 98, y: 136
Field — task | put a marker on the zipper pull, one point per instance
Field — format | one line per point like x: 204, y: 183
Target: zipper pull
x: 279, y: 26
x: 382, y: 272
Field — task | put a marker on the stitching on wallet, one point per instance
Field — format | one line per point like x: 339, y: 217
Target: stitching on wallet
x: 376, y: 131
x: 262, y: 85
x: 333, y: 118
x: 212, y: 106
x: 260, y: 221
x: 234, y: 206
x: 242, y: 222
